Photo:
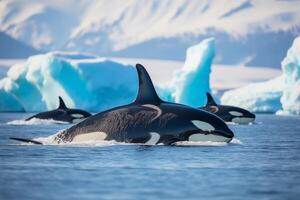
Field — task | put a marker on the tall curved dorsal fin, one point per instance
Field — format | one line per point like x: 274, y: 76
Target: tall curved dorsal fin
x: 210, y: 100
x: 146, y: 93
x: 62, y: 104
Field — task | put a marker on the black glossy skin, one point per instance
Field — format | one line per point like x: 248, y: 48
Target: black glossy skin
x: 62, y: 113
x: 222, y: 111
x: 133, y: 123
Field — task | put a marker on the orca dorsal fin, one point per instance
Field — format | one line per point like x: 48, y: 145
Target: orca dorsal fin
x: 146, y: 93
x: 62, y: 104
x: 210, y: 100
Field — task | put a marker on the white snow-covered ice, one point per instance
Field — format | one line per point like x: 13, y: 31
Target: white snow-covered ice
x: 257, y: 97
x: 280, y: 94
x: 191, y: 82
x: 83, y: 81
x: 96, y: 84
x: 290, y: 98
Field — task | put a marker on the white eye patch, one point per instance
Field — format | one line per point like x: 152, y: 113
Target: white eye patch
x: 235, y: 113
x: 204, y: 126
x: 77, y: 115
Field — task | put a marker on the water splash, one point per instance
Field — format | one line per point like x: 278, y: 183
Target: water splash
x: 208, y: 143
x: 236, y: 141
x: 237, y: 124
x: 35, y: 121
x: 50, y: 140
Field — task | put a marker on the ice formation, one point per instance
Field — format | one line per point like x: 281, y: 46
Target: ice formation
x: 281, y: 94
x: 83, y: 81
x: 290, y: 99
x: 257, y: 97
x: 191, y: 82
x: 96, y: 84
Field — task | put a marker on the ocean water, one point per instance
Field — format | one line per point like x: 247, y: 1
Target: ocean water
x: 265, y: 164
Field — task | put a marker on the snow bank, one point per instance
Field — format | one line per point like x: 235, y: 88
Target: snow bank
x: 96, y: 84
x: 281, y: 94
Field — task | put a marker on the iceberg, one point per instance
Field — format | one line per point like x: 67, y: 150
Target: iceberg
x: 290, y: 99
x: 83, y: 81
x: 190, y: 84
x: 7, y: 101
x: 256, y: 97
x: 280, y: 95
x: 95, y: 84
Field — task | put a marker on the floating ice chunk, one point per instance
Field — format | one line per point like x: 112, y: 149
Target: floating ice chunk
x: 96, y: 84
x: 8, y: 102
x: 191, y: 83
x: 290, y: 99
x: 281, y: 94
x: 86, y: 82
x: 257, y: 97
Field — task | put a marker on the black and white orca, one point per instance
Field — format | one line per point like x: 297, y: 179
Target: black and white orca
x: 228, y: 113
x: 62, y: 114
x: 148, y: 120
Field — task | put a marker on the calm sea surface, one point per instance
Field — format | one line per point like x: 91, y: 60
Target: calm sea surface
x: 265, y: 166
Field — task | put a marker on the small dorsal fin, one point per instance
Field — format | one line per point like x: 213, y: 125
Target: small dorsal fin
x: 210, y: 100
x: 26, y: 140
x: 62, y: 104
x: 146, y: 93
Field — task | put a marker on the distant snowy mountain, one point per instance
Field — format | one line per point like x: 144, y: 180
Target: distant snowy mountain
x: 252, y: 32
x: 11, y: 48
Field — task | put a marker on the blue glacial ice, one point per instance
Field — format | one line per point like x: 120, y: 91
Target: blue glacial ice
x: 95, y: 83
x: 290, y: 98
x: 191, y: 82
x: 281, y: 94
x: 83, y: 81
x: 257, y: 97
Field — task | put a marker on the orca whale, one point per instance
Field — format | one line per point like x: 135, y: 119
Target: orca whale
x: 228, y: 113
x: 62, y: 114
x: 148, y: 120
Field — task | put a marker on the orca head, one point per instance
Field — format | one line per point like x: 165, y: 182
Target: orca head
x: 232, y: 114
x: 78, y: 115
x: 240, y: 115
x: 190, y: 124
x: 228, y: 113
x: 205, y: 126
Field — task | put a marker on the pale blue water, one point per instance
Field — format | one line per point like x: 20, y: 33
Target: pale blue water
x: 265, y: 166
